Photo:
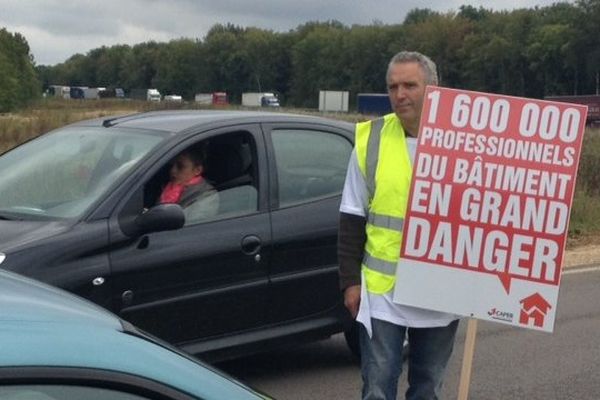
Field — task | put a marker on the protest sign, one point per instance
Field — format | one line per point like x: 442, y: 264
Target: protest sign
x: 487, y: 219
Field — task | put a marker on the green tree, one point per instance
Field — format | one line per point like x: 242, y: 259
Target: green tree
x: 317, y: 63
x: 179, y: 68
x: 264, y: 54
x: 18, y: 79
x: 142, y: 67
x: 365, y: 55
x: 589, y: 45
x: 419, y: 15
x: 441, y: 37
x: 110, y: 65
x: 226, y: 66
x: 491, y: 55
x: 9, y: 84
x: 77, y: 70
x: 546, y: 53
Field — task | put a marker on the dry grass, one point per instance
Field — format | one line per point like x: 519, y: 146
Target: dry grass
x: 585, y: 213
x: 49, y: 114
x: 19, y: 127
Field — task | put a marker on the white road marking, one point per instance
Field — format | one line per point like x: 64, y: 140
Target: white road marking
x: 581, y: 270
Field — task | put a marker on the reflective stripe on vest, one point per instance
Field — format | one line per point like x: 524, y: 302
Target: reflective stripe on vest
x: 379, y: 265
x: 373, y: 154
x: 385, y: 164
x: 386, y: 221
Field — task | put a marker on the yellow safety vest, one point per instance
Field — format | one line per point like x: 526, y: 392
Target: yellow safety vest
x: 385, y: 164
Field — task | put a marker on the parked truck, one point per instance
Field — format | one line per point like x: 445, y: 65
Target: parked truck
x: 61, y: 91
x: 214, y: 98
x: 333, y: 100
x: 92, y: 93
x: 112, y: 93
x: 76, y: 92
x: 592, y: 101
x: 173, y: 98
x: 373, y: 103
x: 145, y: 94
x: 259, y: 99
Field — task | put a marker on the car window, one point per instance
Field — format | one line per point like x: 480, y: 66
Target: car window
x: 61, y: 174
x: 229, y: 184
x: 310, y: 164
x: 63, y: 392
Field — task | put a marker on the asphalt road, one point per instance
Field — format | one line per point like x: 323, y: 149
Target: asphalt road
x: 509, y: 362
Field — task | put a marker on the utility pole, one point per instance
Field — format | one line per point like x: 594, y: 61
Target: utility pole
x: 258, y: 82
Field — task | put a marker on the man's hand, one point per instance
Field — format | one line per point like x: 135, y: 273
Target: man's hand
x: 352, y: 299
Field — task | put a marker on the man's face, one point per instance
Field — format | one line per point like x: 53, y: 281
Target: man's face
x: 406, y: 88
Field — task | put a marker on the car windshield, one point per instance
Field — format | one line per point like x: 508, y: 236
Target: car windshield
x: 59, y: 175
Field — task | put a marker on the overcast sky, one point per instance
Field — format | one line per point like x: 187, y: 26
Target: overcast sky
x: 57, y: 29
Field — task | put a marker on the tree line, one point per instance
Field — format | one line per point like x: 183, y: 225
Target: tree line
x: 18, y: 77
x: 536, y: 52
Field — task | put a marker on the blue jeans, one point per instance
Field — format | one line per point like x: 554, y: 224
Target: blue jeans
x: 381, y: 360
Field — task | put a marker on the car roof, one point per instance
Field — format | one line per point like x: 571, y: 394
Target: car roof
x: 42, y: 326
x: 181, y: 120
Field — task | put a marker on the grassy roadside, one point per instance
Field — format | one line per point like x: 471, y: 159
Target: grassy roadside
x: 49, y: 114
x: 45, y: 115
x: 584, y: 226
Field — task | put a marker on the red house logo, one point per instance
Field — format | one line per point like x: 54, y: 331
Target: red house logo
x: 535, y: 308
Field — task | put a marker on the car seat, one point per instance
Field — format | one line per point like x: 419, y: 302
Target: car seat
x: 229, y: 163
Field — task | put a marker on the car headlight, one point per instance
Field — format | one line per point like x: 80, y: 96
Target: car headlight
x: 2, y: 257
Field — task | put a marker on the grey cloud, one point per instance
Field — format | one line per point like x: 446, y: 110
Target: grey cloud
x: 61, y: 18
x: 57, y: 29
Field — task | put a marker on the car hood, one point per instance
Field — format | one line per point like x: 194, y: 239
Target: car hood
x: 15, y: 234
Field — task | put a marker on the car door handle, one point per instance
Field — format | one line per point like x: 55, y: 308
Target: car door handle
x: 250, y: 245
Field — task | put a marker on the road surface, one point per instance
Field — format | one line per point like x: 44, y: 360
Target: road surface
x: 509, y: 362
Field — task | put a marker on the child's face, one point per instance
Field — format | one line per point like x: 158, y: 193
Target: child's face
x: 184, y: 169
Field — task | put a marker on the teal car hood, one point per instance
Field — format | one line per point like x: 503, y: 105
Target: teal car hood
x: 41, y: 326
x: 48, y: 344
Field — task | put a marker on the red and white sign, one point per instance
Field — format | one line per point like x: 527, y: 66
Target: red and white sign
x: 487, y: 217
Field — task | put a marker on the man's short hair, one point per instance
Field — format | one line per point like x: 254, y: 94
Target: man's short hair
x: 425, y: 62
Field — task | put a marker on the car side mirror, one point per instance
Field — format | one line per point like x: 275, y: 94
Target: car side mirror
x: 162, y: 217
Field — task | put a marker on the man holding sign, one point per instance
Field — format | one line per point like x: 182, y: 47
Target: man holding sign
x: 374, y: 204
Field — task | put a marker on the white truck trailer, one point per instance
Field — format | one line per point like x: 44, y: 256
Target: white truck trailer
x: 259, y: 99
x: 333, y: 100
x: 145, y: 94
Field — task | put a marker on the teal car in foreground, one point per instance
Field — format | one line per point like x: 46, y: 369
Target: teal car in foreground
x: 56, y: 346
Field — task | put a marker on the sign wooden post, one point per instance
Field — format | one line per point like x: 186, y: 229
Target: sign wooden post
x: 467, y: 363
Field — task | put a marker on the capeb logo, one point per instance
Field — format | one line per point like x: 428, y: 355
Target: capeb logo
x: 506, y: 316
